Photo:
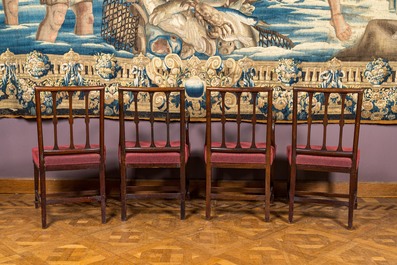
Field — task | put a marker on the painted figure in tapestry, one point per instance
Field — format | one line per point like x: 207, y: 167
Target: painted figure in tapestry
x: 212, y: 25
x: 313, y: 30
x: 11, y: 12
x: 204, y: 11
x: 55, y: 16
x: 189, y: 26
x: 342, y: 29
x: 206, y: 27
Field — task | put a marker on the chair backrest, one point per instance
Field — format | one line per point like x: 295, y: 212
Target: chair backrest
x: 157, y: 119
x: 239, y: 112
x: 326, y: 106
x: 69, y: 104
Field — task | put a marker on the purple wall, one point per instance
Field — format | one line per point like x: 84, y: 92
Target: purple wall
x: 377, y: 146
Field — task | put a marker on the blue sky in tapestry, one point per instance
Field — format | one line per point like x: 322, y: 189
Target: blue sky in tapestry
x: 305, y: 22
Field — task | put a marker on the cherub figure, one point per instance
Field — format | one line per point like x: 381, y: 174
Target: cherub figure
x: 55, y: 16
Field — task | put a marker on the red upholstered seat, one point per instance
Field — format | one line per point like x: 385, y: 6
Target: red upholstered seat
x: 64, y: 160
x: 330, y: 161
x: 148, y: 158
x: 237, y: 158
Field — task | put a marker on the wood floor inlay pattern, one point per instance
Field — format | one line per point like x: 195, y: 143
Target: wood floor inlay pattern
x: 236, y: 234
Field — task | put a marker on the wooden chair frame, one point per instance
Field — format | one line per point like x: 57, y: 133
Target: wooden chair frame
x: 213, y: 192
x: 57, y: 150
x: 140, y: 149
x: 340, y: 151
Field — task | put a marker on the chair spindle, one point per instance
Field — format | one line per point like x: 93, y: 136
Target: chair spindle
x: 167, y: 97
x: 253, y: 122
x: 341, y: 122
x: 223, y: 120
x: 55, y: 119
x: 87, y: 120
x: 309, y: 121
x: 70, y: 97
x: 151, y: 94
x: 238, y: 121
x: 325, y: 121
x: 136, y: 119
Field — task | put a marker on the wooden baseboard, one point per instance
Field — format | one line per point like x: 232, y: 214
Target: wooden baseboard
x: 365, y: 189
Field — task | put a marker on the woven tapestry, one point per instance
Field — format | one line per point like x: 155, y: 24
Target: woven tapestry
x: 196, y: 44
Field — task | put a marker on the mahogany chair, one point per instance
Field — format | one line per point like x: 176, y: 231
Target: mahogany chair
x: 234, y: 140
x: 152, y: 135
x: 64, y: 148
x: 334, y: 151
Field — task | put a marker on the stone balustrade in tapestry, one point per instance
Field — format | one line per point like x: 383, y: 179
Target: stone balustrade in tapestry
x: 21, y: 73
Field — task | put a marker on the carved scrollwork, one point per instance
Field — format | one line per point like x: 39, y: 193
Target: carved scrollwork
x: 233, y: 71
x: 230, y: 100
x: 195, y: 66
x: 246, y: 63
x: 165, y: 73
x: 221, y: 73
x: 172, y: 71
x: 248, y: 73
x: 159, y: 101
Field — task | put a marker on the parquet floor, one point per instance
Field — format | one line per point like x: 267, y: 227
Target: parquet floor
x: 236, y: 234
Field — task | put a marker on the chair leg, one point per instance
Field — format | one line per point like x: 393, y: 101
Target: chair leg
x: 267, y: 195
x: 272, y: 183
x: 183, y: 190
x: 288, y: 183
x: 102, y: 185
x: 356, y: 188
x: 187, y: 188
x: 43, y: 198
x: 352, y: 198
x: 123, y: 191
x: 208, y: 172
x: 36, y: 186
x: 292, y: 182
